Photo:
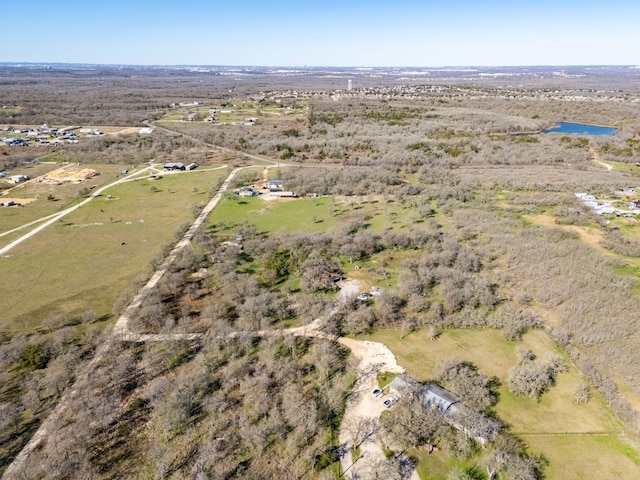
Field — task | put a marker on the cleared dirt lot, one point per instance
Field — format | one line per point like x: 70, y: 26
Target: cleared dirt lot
x: 21, y: 201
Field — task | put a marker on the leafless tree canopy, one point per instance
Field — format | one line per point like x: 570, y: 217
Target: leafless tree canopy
x: 480, y: 230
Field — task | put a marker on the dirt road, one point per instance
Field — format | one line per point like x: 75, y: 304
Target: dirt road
x: 119, y: 332
x: 596, y: 159
x: 51, y: 219
x: 373, y: 357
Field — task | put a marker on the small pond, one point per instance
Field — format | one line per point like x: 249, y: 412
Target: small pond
x: 581, y: 129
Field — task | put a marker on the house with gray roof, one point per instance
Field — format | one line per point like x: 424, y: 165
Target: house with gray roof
x: 442, y: 399
x: 454, y: 411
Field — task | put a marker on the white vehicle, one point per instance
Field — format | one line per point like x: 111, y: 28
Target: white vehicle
x: 389, y: 402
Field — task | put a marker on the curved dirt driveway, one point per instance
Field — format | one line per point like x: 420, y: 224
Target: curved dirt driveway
x: 373, y: 357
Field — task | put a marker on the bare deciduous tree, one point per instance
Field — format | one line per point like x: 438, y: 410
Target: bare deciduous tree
x: 412, y: 423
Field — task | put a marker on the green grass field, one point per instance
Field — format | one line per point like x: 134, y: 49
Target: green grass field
x: 89, y: 257
x: 579, y: 441
x: 307, y: 214
x: 438, y: 464
x: 280, y: 215
x: 624, y: 167
x: 63, y: 195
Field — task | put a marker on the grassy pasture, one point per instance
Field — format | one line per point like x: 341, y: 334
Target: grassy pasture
x: 437, y: 464
x: 624, y: 167
x: 574, y: 438
x: 237, y: 113
x: 65, y: 195
x: 303, y: 214
x: 279, y: 215
x: 81, y: 263
x: 32, y: 170
x: 586, y: 456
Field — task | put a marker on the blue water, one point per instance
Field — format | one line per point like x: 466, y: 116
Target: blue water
x: 579, y: 128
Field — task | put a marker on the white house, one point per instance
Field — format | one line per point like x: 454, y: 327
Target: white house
x: 275, y: 184
x: 18, y: 178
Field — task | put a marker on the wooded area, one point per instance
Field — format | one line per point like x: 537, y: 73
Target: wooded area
x: 432, y: 198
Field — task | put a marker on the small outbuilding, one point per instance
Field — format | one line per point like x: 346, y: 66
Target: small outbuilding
x: 284, y: 194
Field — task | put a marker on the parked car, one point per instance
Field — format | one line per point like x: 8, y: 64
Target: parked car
x: 389, y: 402
x: 376, y: 392
x: 364, y: 296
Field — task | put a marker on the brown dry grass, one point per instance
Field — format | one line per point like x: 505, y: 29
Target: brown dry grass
x: 588, y: 235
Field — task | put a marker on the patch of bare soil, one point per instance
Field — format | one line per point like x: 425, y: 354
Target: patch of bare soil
x: 21, y: 201
x: 587, y: 235
x: 348, y: 289
x: 127, y: 131
x: 373, y: 357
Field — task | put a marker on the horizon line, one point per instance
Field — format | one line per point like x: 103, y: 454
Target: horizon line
x: 363, y: 67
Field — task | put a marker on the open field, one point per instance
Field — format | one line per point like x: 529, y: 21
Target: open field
x: 306, y: 214
x: 278, y: 215
x: 586, y: 456
x: 62, y: 196
x: 570, y: 457
x: 416, y: 188
x: 236, y: 113
x: 575, y: 438
x: 31, y: 170
x: 86, y: 260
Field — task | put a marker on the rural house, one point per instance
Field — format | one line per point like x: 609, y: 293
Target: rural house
x: 18, y: 178
x: 174, y: 166
x: 454, y: 412
x: 275, y: 184
x: 443, y: 399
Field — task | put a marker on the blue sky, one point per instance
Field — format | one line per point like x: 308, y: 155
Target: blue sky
x: 322, y: 33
